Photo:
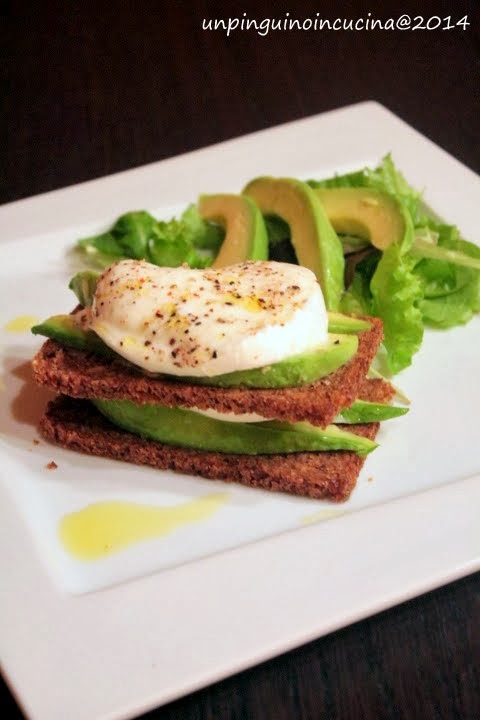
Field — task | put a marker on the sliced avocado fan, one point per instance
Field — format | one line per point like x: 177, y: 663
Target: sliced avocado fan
x: 372, y: 215
x: 314, y: 240
x: 245, y: 232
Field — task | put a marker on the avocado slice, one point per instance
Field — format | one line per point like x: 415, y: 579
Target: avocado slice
x: 297, y: 370
x: 339, y: 323
x: 66, y: 331
x: 362, y: 411
x: 245, y: 232
x: 301, y: 369
x: 371, y: 215
x: 84, y: 284
x: 185, y: 428
x: 314, y: 240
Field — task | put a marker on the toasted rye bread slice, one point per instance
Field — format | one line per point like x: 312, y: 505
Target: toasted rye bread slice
x: 77, y: 425
x: 376, y: 390
x: 84, y: 375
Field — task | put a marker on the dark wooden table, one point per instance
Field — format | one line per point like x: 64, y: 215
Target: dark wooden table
x: 94, y: 88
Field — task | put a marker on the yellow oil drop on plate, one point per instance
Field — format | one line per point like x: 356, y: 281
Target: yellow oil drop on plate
x: 21, y: 324
x: 103, y: 528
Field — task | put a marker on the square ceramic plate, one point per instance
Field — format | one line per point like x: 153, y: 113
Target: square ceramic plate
x: 113, y: 638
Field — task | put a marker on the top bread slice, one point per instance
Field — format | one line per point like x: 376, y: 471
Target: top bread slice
x: 80, y: 374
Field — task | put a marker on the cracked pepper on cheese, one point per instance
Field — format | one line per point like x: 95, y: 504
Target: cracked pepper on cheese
x: 184, y: 321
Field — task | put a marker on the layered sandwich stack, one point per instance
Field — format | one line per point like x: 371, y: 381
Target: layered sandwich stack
x: 236, y: 374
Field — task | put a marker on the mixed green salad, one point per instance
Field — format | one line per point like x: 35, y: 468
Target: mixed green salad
x: 427, y: 276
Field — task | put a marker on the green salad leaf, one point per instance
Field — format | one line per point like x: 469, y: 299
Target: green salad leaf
x: 280, y: 247
x: 358, y: 299
x: 127, y: 238
x: 203, y: 235
x: 396, y: 292
x: 277, y: 230
x: 451, y: 292
x: 139, y: 235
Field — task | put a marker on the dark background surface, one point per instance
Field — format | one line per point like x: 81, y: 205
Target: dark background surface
x: 92, y: 88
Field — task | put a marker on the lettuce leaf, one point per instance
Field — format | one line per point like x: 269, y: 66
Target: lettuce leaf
x: 203, y: 234
x: 385, y: 285
x: 139, y: 235
x: 451, y: 292
x: 127, y: 238
x: 358, y: 299
x: 277, y: 230
x: 450, y: 310
x: 396, y: 292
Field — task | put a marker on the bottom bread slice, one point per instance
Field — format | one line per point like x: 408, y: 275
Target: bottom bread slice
x: 77, y: 425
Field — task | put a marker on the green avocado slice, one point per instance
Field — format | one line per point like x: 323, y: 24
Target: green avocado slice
x: 84, y: 284
x: 245, y: 231
x: 369, y: 214
x: 299, y: 369
x: 314, y: 240
x: 362, y: 411
x: 339, y: 323
x: 186, y: 428
x: 66, y: 331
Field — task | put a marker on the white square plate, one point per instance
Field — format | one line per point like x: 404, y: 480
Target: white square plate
x: 117, y: 652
